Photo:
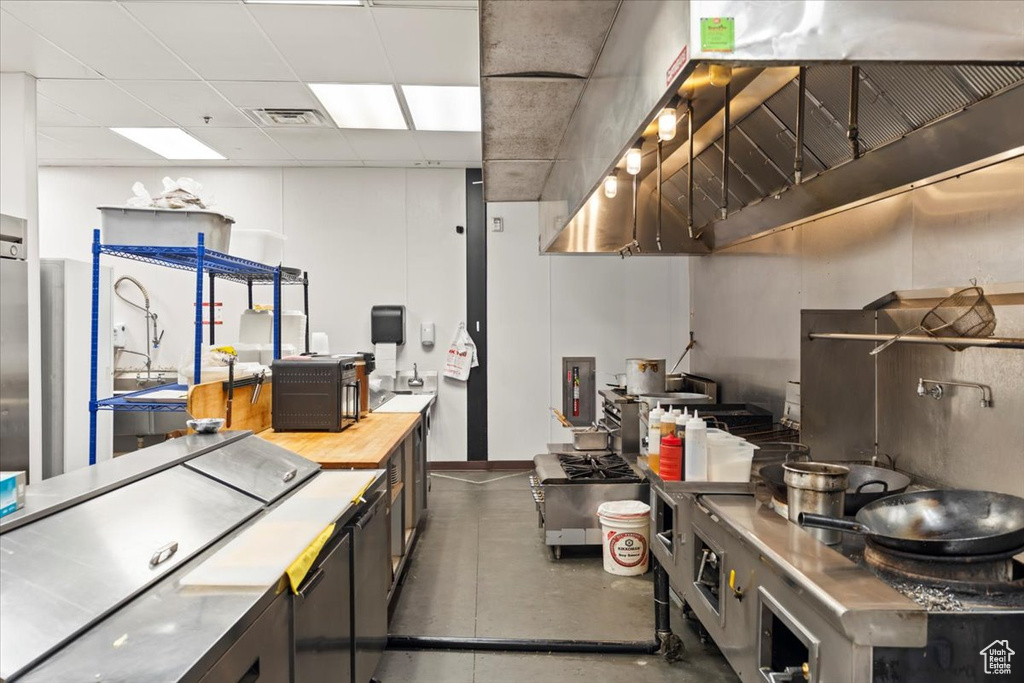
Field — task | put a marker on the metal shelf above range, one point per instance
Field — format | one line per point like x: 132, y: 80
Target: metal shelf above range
x: 125, y: 402
x: 965, y: 342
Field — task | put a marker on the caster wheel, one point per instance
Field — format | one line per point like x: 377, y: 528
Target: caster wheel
x: 672, y: 648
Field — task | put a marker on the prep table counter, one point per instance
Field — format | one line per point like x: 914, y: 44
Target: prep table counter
x: 95, y: 566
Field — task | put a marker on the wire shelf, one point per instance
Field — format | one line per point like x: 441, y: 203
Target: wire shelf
x: 121, y: 403
x: 224, y: 266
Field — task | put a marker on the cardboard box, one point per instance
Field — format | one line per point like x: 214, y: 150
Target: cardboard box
x: 12, y: 492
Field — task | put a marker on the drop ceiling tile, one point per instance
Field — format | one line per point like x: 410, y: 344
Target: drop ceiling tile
x: 241, y: 144
x: 187, y: 102
x: 94, y: 143
x: 450, y: 146
x: 383, y: 145
x: 49, y: 113
x: 264, y: 94
x: 326, y: 144
x: 102, y: 102
x: 429, y: 46
x: 525, y: 36
x: 514, y: 181
x: 220, y: 41
x: 101, y: 35
x: 22, y: 49
x: 326, y: 163
x: 525, y: 118
x: 326, y: 44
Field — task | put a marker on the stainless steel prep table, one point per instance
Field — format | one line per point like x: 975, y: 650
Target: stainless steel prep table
x: 125, y: 624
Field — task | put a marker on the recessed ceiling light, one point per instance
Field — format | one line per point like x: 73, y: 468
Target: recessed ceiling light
x: 170, y: 143
x: 350, y: 3
x: 354, y: 105
x: 444, y: 107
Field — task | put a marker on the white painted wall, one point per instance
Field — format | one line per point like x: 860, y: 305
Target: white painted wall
x: 18, y: 197
x: 543, y: 308
x: 365, y: 236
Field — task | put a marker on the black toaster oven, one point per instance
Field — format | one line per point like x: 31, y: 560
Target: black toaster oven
x: 315, y: 393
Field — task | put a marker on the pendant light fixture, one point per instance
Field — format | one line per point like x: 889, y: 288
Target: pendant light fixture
x: 634, y: 158
x: 667, y: 121
x: 719, y: 75
x: 611, y: 185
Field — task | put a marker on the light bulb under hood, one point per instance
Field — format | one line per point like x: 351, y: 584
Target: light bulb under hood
x: 634, y: 158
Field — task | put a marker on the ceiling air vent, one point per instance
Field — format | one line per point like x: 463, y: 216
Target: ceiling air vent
x: 286, y: 118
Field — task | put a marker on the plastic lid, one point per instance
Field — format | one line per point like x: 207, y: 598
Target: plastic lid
x: 682, y: 419
x: 696, y: 422
x: 670, y: 441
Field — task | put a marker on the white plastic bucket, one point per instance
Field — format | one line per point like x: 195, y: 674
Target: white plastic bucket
x: 730, y: 460
x: 625, y: 536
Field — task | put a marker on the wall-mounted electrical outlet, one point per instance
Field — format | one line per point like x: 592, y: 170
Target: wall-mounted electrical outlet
x: 119, y: 336
x: 497, y: 224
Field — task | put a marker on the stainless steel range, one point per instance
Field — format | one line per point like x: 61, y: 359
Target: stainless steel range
x: 784, y: 607
x: 569, y: 485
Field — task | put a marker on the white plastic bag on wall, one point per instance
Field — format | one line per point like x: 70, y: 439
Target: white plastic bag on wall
x: 461, y: 355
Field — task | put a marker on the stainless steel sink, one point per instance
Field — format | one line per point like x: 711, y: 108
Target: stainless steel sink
x: 402, y: 386
x: 134, y: 430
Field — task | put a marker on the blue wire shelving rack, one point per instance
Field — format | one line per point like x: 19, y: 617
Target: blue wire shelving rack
x: 200, y: 260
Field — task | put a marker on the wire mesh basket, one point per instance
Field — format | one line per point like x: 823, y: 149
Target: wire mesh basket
x: 964, y: 313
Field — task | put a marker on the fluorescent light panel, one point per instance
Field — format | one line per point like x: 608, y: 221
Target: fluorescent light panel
x: 170, y: 143
x: 444, y: 107
x: 354, y: 105
x: 348, y: 3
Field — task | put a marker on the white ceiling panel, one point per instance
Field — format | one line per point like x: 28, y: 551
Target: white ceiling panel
x: 314, y: 143
x: 446, y: 146
x: 430, y: 47
x: 22, y: 49
x: 383, y: 145
x: 187, y: 102
x: 326, y: 163
x: 102, y: 102
x: 326, y: 44
x: 95, y: 143
x: 254, y: 94
x: 102, y: 36
x: 241, y: 144
x: 220, y: 41
x: 49, y: 114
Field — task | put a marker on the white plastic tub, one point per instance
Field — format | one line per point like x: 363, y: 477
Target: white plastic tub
x: 625, y: 536
x: 165, y: 227
x: 261, y: 246
x: 730, y: 459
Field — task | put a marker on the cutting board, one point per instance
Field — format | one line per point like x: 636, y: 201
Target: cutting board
x: 211, y: 399
x: 260, y: 555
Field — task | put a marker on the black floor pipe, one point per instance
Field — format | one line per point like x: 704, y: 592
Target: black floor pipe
x: 664, y: 638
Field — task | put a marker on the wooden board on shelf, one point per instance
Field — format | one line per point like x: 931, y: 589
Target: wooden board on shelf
x: 210, y: 399
x: 366, y: 444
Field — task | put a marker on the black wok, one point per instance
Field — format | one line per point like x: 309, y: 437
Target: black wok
x: 866, y: 484
x: 956, y: 522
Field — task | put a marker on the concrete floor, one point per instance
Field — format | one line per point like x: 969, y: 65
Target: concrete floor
x: 481, y: 569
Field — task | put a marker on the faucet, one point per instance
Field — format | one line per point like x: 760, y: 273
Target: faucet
x: 936, y: 391
x: 416, y: 380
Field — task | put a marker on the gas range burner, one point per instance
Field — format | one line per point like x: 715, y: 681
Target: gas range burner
x: 585, y: 467
x: 977, y: 575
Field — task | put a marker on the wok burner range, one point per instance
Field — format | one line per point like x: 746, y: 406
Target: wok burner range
x: 569, y: 485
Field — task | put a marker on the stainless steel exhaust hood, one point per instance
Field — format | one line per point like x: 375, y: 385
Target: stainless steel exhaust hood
x: 934, y: 89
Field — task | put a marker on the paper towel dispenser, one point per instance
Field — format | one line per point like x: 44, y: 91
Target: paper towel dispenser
x: 387, y: 325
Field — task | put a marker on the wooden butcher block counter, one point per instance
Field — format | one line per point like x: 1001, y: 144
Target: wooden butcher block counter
x: 366, y: 444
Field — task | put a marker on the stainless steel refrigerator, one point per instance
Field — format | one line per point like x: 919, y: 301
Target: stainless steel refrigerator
x: 13, y: 345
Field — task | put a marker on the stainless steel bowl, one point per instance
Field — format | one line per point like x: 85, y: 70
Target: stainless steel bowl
x: 206, y: 425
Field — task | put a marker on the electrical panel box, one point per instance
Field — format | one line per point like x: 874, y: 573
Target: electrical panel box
x: 579, y: 393
x: 387, y: 325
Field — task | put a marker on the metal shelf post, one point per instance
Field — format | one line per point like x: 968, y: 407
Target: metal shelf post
x: 94, y: 345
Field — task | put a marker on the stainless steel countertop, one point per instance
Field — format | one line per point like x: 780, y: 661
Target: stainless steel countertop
x: 867, y: 609
x: 171, y: 632
x: 53, y: 495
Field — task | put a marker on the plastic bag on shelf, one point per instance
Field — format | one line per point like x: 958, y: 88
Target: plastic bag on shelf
x: 183, y: 193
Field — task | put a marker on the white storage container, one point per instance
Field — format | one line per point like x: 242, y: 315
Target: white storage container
x: 261, y: 246
x: 729, y: 459
x: 165, y: 227
x: 256, y: 327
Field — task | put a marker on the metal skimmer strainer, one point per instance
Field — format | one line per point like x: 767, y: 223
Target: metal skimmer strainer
x: 964, y: 313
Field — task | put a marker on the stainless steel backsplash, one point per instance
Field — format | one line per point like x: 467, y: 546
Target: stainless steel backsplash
x: 746, y: 304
